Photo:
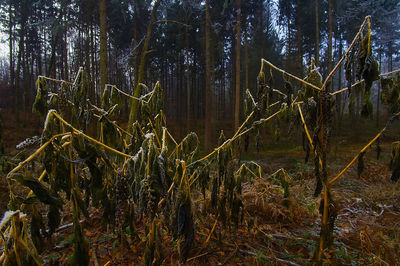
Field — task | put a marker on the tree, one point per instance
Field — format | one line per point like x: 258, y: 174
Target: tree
x: 208, y: 114
x: 134, y: 102
x: 188, y: 98
x: 103, y: 45
x: 330, y: 35
x: 316, y: 33
x: 237, y: 75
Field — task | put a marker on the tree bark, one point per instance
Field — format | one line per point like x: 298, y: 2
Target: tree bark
x: 246, y: 57
x: 92, y: 60
x: 316, y: 33
x: 340, y: 98
x: 299, y: 37
x: 55, y: 39
x: 330, y: 22
x: 379, y: 92
x: 12, y: 62
x: 103, y: 46
x: 17, y: 78
x: 134, y: 103
x: 188, y: 103
x: 208, y: 83
x: 135, y: 43
x: 10, y: 32
x: 237, y: 75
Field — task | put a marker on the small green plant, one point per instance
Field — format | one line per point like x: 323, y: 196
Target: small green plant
x: 261, y: 257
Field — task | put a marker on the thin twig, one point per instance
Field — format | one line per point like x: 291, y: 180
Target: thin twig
x: 196, y: 257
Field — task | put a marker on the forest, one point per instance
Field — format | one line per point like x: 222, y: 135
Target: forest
x: 199, y: 132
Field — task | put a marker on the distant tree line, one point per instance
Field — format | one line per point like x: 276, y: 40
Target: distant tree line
x: 204, y: 53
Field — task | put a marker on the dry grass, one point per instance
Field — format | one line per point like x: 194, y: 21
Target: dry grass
x: 265, y: 201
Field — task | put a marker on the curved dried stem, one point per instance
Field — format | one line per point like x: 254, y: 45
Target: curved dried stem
x: 358, y: 155
x: 141, y: 98
x: 56, y: 80
x: 209, y: 236
x: 259, y: 121
x: 229, y: 141
x: 78, y: 132
x: 122, y: 92
x: 390, y: 73
x: 171, y: 137
x: 358, y: 82
x: 290, y: 75
x: 155, y: 132
x: 308, y: 134
x: 366, y: 22
x: 36, y: 153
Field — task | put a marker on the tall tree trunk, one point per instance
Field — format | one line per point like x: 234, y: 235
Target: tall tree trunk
x: 17, y: 77
x: 134, y: 103
x: 237, y: 75
x: 246, y: 56
x: 330, y: 22
x: 299, y: 37
x: 18, y: 67
x: 135, y: 43
x: 316, y: 33
x: 188, y: 103
x: 288, y: 50
x: 55, y: 39
x: 379, y: 92
x: 103, y: 46
x: 92, y: 59
x: 66, y: 74
x: 12, y: 62
x: 52, y: 62
x: 213, y: 39
x: 45, y: 63
x: 223, y: 96
x: 340, y: 99
x: 10, y: 32
x: 208, y: 83
x: 25, y: 77
x: 195, y: 86
x: 262, y: 29
x: 88, y: 71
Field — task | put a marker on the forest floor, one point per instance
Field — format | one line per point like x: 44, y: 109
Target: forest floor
x: 366, y: 231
